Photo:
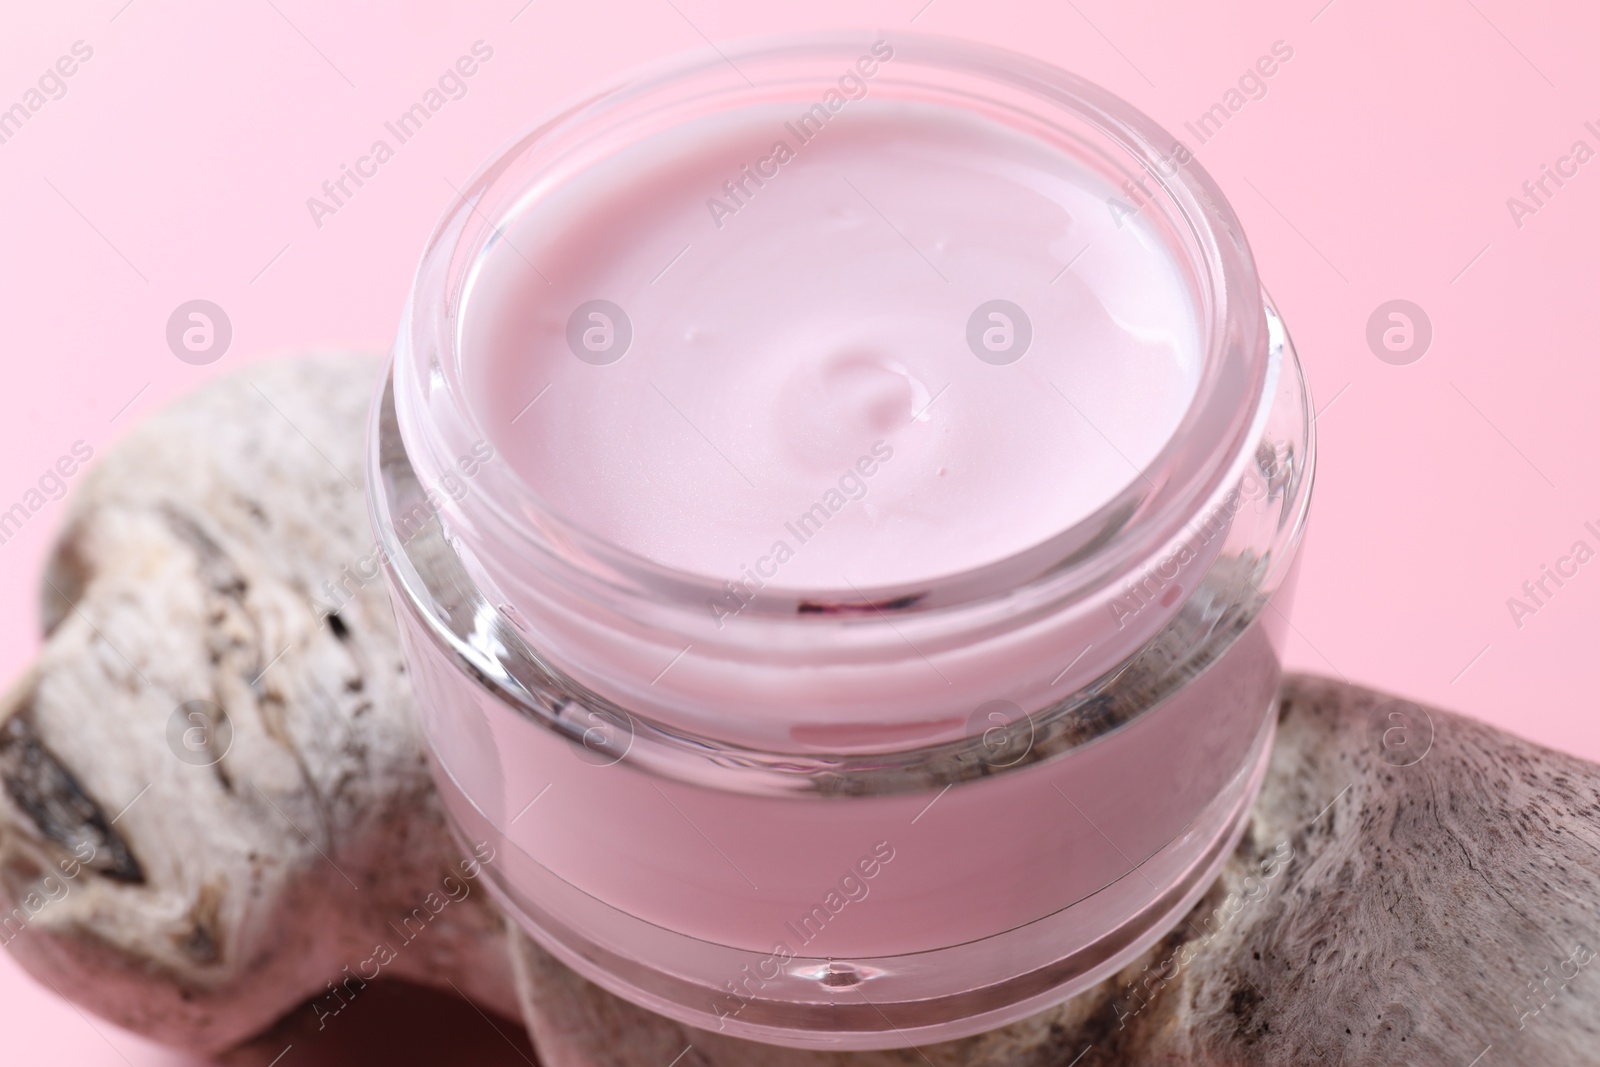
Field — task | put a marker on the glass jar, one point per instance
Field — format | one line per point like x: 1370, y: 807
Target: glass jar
x: 851, y: 818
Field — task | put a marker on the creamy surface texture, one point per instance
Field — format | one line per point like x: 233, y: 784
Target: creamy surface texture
x: 816, y: 386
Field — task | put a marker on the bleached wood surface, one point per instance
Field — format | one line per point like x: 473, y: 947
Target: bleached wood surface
x: 1422, y: 889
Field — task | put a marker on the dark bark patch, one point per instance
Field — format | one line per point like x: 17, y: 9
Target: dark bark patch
x: 57, y: 804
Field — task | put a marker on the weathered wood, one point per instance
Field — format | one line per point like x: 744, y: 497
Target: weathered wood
x: 1416, y: 889
x: 217, y: 894
x: 1378, y: 911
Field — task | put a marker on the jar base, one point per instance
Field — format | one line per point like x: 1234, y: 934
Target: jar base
x: 840, y: 1015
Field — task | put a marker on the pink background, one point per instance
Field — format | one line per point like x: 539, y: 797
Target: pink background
x: 1376, y: 167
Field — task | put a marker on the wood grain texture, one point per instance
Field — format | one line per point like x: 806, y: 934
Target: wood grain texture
x: 1414, y: 886
x: 1378, y: 911
x: 213, y: 897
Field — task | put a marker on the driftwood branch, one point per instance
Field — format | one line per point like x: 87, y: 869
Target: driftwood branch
x: 239, y: 776
x: 216, y: 813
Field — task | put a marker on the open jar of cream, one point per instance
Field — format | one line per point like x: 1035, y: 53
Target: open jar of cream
x: 840, y: 496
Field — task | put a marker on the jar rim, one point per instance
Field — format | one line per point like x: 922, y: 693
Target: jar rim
x: 483, y: 642
x: 437, y: 423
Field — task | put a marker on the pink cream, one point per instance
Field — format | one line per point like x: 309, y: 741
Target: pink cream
x: 819, y: 331
x: 838, y: 428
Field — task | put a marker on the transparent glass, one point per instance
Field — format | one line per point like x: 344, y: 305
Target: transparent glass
x: 1018, y: 821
